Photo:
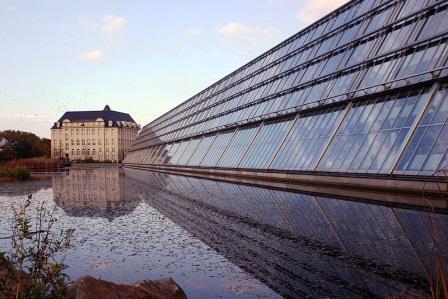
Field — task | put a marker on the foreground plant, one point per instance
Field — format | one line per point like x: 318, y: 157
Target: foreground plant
x: 438, y: 273
x: 33, y: 268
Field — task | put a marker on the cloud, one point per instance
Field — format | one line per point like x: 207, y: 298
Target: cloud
x: 249, y: 37
x: 112, y: 24
x: 95, y: 55
x: 315, y: 9
x: 194, y: 32
x: 88, y: 24
x: 109, y: 24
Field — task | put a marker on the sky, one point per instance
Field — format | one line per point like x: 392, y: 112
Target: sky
x: 142, y: 57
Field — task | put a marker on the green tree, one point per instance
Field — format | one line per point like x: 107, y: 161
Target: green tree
x: 24, y: 145
x: 7, y: 153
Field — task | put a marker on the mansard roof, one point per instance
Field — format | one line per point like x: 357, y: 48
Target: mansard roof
x: 106, y: 114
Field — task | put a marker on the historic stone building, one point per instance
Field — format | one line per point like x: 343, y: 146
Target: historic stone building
x: 97, y: 135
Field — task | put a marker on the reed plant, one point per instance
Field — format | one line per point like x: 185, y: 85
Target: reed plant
x: 35, y: 164
x: 14, y: 173
x: 438, y: 275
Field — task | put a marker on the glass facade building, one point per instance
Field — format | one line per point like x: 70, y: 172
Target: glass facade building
x: 363, y: 90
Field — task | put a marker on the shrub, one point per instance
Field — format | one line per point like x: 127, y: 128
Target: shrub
x: 34, y: 271
x: 88, y: 160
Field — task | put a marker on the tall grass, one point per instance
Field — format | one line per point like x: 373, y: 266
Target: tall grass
x: 35, y: 164
x: 14, y: 173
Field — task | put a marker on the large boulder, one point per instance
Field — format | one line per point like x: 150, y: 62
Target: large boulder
x: 88, y: 287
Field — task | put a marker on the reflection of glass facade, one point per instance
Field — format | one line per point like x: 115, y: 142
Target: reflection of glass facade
x: 303, y: 245
x: 361, y: 90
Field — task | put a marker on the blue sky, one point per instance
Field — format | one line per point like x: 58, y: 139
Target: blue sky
x: 140, y: 57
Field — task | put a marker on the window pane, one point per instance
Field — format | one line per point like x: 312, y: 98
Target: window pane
x: 237, y: 147
x: 373, y: 133
x: 201, y: 150
x: 304, y: 143
x: 217, y: 148
x: 264, y: 146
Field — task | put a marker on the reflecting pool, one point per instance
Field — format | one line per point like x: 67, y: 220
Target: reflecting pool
x: 226, y: 240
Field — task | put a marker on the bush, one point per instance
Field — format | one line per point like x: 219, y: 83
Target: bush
x: 88, y: 160
x: 16, y: 172
x: 33, y: 270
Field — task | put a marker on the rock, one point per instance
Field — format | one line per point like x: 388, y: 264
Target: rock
x: 10, y: 278
x: 88, y: 287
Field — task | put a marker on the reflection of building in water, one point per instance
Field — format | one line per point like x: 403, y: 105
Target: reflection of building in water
x: 93, y: 192
x: 303, y: 245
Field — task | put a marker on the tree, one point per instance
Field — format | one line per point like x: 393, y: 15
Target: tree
x: 7, y: 152
x: 24, y: 145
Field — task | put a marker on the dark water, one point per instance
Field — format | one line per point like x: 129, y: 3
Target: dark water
x: 219, y: 239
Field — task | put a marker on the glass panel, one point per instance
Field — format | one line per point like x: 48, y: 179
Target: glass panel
x: 358, y: 54
x: 428, y: 146
x: 169, y: 154
x: 424, y: 147
x: 418, y: 62
x: 434, y: 24
x: 176, y: 157
x: 438, y: 151
x: 373, y: 133
x: 409, y: 6
x: 201, y: 150
x: 304, y: 143
x: 237, y: 147
x: 265, y: 144
x: 189, y: 150
x: 161, y: 153
x: 217, y: 148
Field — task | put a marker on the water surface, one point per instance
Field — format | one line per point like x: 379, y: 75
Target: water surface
x: 219, y: 239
